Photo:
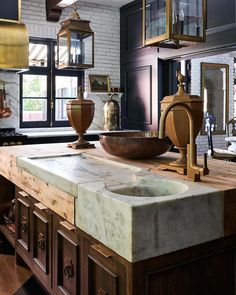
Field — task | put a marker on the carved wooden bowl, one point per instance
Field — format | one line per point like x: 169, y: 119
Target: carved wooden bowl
x: 134, y: 145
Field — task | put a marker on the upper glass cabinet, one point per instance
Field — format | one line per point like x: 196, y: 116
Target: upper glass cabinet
x: 173, y: 22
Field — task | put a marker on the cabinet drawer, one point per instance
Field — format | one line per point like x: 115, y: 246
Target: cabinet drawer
x: 67, y: 260
x: 101, y: 280
x: 23, y: 221
x: 41, y: 243
x: 106, y: 275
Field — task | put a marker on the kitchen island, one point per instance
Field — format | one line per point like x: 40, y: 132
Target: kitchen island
x: 83, y: 230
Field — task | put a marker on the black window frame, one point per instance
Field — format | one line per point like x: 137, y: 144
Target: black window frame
x: 51, y: 72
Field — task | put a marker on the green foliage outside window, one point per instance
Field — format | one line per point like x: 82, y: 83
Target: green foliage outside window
x: 33, y: 105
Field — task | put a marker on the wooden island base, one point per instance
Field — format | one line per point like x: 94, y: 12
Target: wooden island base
x: 68, y: 261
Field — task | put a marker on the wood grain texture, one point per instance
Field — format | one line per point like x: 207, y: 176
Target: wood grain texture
x: 58, y: 201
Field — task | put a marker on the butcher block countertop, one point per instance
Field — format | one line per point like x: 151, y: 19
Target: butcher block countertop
x: 222, y: 173
x: 196, y: 213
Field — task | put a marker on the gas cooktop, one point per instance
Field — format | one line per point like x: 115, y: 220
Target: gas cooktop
x: 9, y: 136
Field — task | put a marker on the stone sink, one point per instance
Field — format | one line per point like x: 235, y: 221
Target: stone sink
x: 136, y: 213
x: 150, y: 188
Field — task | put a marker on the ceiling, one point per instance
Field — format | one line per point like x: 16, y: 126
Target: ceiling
x: 116, y: 3
x: 54, y: 7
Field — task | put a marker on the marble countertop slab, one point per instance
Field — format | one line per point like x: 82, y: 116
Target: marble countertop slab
x: 67, y: 171
x: 136, y: 228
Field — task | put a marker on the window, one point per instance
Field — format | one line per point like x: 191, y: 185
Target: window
x: 45, y: 90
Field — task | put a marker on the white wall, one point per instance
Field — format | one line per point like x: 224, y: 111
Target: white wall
x: 105, y: 22
x: 218, y: 140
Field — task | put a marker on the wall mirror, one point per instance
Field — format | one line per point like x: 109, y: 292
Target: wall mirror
x: 215, y: 92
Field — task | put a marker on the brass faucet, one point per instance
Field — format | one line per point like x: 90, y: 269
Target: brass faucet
x: 193, y: 171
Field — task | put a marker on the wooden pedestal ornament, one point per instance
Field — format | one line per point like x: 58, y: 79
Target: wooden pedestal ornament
x: 177, y: 122
x: 80, y: 113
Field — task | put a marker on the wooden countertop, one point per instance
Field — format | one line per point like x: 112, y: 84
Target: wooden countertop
x: 222, y: 173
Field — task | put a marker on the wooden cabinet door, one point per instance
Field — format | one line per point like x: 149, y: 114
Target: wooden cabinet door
x: 23, y: 203
x: 105, y: 274
x: 67, y: 259
x: 7, y: 192
x: 41, y: 242
x: 139, y: 102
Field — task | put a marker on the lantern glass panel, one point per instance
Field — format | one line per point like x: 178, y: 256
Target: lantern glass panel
x: 81, y: 48
x: 187, y: 17
x: 155, y: 16
x: 62, y: 50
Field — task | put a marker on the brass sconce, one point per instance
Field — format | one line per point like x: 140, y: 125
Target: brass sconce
x: 75, y: 43
x: 173, y: 23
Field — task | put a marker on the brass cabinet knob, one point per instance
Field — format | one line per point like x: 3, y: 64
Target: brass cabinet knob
x: 24, y: 226
x: 102, y: 292
x: 68, y: 270
x: 41, y: 242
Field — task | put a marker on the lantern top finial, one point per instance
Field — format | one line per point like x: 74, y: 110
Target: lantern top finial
x: 75, y: 14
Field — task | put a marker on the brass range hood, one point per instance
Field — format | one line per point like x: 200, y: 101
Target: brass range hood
x: 14, y: 45
x: 14, y: 40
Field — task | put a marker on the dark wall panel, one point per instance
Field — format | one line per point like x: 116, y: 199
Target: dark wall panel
x: 139, y: 106
x: 134, y: 29
x: 131, y: 27
x: 9, y: 10
x: 220, y: 13
x: 139, y: 95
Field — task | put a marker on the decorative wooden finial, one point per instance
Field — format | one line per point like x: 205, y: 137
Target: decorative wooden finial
x: 80, y: 92
x: 180, y: 78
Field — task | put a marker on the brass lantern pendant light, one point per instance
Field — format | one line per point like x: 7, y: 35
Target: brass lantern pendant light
x: 75, y: 43
x: 173, y: 23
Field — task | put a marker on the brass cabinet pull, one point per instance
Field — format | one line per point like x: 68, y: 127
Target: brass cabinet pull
x: 24, y: 226
x: 68, y: 270
x: 102, y: 250
x: 41, y: 242
x: 23, y: 194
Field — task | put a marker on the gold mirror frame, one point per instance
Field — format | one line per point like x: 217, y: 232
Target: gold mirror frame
x: 215, y: 94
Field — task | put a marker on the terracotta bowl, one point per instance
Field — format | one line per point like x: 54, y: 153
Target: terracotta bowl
x: 134, y: 145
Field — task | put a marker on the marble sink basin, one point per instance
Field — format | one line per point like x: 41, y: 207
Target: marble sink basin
x: 154, y: 188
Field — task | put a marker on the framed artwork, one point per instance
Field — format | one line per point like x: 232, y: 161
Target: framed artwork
x: 215, y: 93
x: 99, y: 83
